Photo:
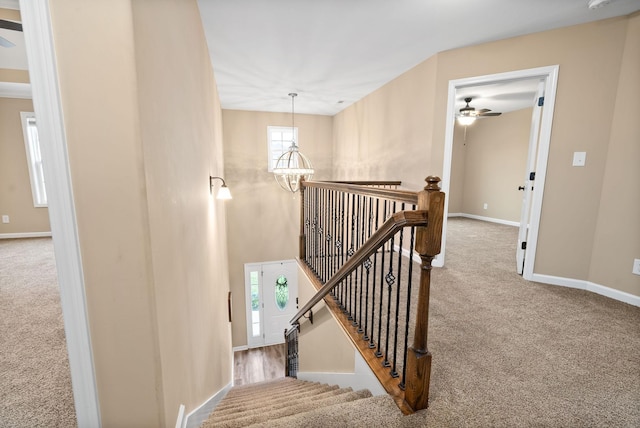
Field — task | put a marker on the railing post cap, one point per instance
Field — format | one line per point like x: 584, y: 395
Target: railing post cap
x: 432, y: 183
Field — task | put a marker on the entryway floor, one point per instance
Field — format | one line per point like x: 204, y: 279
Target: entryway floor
x: 258, y: 364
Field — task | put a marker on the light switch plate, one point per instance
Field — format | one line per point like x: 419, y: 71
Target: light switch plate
x: 579, y: 158
x: 5, y: 219
x: 636, y: 267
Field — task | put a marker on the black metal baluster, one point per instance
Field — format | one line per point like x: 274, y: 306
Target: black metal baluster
x: 407, y: 320
x: 356, y: 281
x: 373, y: 282
x: 390, y: 279
x: 394, y: 372
x: 379, y: 351
x: 367, y: 266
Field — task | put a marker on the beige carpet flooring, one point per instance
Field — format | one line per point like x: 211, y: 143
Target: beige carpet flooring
x: 35, y: 384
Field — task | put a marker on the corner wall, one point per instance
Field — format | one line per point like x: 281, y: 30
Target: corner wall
x: 143, y: 127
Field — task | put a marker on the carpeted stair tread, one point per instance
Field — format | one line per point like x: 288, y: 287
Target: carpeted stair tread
x: 275, y: 400
x: 278, y: 392
x: 268, y: 384
x: 266, y: 406
x: 247, y: 418
x: 379, y: 411
x: 279, y: 385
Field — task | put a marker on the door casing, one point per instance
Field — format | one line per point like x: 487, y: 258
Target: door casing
x: 549, y: 75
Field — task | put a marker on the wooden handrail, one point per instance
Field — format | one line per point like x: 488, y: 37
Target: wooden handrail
x: 406, y: 196
x: 396, y: 222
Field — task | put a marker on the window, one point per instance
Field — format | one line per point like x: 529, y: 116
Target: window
x: 279, y: 139
x: 34, y: 159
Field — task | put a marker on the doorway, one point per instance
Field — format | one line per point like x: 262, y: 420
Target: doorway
x: 548, y: 77
x: 271, y: 291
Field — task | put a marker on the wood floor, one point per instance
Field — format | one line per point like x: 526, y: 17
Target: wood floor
x: 258, y: 364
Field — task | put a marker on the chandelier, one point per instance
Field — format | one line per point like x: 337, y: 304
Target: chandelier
x: 292, y: 166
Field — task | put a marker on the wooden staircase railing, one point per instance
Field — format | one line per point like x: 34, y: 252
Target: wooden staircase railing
x: 348, y: 247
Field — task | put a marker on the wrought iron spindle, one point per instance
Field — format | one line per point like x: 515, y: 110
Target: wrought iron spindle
x: 390, y: 279
x: 407, y: 316
x: 379, y: 350
x: 394, y: 372
x: 373, y: 282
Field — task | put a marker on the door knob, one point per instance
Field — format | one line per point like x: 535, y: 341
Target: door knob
x: 520, y: 187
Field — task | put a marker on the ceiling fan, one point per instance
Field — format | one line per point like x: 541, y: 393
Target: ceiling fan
x: 468, y: 111
x: 9, y: 25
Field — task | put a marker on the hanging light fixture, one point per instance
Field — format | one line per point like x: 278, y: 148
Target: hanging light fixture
x: 292, y: 166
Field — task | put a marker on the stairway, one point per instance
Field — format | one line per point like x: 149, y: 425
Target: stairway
x: 288, y: 402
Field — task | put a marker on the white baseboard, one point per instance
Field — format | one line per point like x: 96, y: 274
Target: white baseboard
x: 489, y: 219
x: 180, y: 419
x: 611, y: 293
x: 195, y: 418
x: 25, y: 235
x: 240, y: 348
x: 362, y: 378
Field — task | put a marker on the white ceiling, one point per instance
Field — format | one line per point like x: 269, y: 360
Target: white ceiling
x: 334, y: 52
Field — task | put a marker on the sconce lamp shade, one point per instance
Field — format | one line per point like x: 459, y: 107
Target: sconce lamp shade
x: 224, y: 192
x: 291, y: 168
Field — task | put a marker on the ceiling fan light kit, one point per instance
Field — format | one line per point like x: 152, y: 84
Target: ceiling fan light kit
x: 469, y: 114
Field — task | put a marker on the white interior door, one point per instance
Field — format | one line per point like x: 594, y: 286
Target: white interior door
x: 272, y: 300
x: 529, y: 179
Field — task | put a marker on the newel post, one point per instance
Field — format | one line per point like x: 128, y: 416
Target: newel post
x: 428, y: 241
x: 302, y: 251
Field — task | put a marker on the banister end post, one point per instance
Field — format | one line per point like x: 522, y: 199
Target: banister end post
x: 418, y: 377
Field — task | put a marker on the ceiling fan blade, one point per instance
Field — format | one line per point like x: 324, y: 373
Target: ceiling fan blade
x: 10, y: 25
x: 5, y: 43
x: 490, y: 114
x: 484, y: 110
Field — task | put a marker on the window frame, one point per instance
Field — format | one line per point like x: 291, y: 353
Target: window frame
x: 35, y: 166
x: 271, y: 152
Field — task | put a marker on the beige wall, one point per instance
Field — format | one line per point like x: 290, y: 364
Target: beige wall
x: 617, y: 235
x: 373, y: 137
x: 143, y: 128
x: 263, y: 219
x: 16, y: 199
x: 324, y: 334
x: 493, y: 160
x: 590, y: 58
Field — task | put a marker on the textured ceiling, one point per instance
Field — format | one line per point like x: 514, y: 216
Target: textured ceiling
x: 334, y: 52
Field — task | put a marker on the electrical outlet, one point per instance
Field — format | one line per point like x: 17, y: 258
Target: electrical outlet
x: 5, y: 218
x: 636, y: 267
x: 485, y: 206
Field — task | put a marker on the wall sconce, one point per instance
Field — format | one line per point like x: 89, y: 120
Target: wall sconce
x: 224, y: 192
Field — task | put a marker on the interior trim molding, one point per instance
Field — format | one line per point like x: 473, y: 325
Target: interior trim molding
x: 200, y: 414
x: 611, y: 293
x: 25, y: 235
x: 240, y: 348
x: 15, y: 90
x: 36, y: 19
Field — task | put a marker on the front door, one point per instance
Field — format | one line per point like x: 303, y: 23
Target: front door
x: 272, y: 297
